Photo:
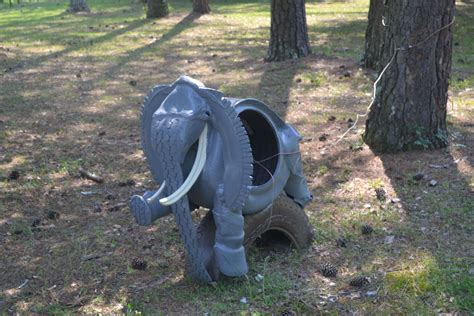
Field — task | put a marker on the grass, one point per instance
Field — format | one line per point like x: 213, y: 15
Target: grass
x: 67, y: 100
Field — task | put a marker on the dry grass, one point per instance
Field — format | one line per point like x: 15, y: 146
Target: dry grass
x: 66, y: 100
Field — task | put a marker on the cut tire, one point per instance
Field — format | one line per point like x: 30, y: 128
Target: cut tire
x: 284, y: 216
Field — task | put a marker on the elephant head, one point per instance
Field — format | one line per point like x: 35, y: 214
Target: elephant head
x: 177, y: 122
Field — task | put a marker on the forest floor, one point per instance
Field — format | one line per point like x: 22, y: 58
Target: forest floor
x: 70, y: 92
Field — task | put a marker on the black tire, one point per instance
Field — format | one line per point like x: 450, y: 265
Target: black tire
x: 284, y: 215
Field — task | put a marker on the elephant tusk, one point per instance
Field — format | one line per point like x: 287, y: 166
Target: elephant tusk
x: 152, y: 199
x: 193, y: 175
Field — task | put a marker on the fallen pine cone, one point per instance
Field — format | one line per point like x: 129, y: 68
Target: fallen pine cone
x: 359, y: 281
x: 138, y: 264
x: 14, y: 175
x: 380, y: 193
x: 366, y: 229
x: 328, y: 270
x: 341, y: 242
x: 52, y: 215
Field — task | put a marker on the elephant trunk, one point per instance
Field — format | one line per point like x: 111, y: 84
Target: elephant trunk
x: 168, y: 150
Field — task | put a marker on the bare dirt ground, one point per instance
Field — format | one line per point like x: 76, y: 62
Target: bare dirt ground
x: 71, y: 88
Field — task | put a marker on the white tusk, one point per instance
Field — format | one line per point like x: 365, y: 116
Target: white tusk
x: 193, y: 175
x: 157, y: 193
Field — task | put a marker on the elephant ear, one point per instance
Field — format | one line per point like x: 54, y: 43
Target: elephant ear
x: 238, y: 159
x: 151, y: 103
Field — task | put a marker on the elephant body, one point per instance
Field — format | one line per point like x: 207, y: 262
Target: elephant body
x: 250, y: 156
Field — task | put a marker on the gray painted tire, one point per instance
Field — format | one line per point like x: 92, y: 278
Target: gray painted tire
x: 284, y: 215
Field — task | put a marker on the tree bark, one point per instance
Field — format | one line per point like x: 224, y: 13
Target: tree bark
x: 288, y: 32
x: 409, y: 110
x: 157, y: 9
x: 78, y: 6
x: 374, y: 34
x: 201, y: 6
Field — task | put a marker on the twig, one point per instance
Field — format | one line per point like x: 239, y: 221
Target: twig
x: 91, y: 256
x: 91, y: 176
x: 116, y: 207
x: 24, y: 284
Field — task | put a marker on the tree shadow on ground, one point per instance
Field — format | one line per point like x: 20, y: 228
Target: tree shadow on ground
x: 341, y: 38
x: 181, y: 26
x: 101, y: 39
x: 440, y: 216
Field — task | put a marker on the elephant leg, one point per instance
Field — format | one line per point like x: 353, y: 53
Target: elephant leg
x: 296, y: 186
x: 228, y: 247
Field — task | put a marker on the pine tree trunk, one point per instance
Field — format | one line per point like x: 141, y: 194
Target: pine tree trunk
x: 410, y: 105
x: 289, y: 33
x: 373, y: 34
x: 157, y: 9
x: 201, y: 6
x: 78, y: 6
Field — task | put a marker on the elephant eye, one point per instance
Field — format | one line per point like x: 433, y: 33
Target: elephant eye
x: 207, y: 113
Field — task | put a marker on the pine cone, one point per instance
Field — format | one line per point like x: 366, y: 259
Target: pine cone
x: 52, y: 215
x: 359, y: 281
x: 418, y: 176
x: 341, y: 242
x: 328, y: 270
x: 139, y: 264
x: 380, y: 193
x: 366, y: 229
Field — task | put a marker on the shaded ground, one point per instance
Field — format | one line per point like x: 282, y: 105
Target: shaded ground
x: 70, y: 90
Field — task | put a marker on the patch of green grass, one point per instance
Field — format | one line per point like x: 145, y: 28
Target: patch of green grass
x: 69, y: 166
x: 322, y: 170
x: 461, y: 83
x: 426, y: 278
x: 315, y: 79
x: 376, y: 183
x: 21, y: 228
x: 415, y: 280
x: 3, y: 136
x: 463, y: 42
x: 133, y: 308
x: 225, y: 296
x: 52, y: 309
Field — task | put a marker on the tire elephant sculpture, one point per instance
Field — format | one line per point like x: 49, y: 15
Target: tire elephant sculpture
x: 234, y: 157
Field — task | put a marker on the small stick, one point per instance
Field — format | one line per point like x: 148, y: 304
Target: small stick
x: 24, y: 284
x: 91, y: 176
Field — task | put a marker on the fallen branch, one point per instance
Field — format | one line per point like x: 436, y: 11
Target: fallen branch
x: 91, y: 176
x: 90, y: 257
x: 116, y: 207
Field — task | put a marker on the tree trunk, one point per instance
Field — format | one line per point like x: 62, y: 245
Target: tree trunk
x: 201, y: 6
x: 78, y: 6
x: 373, y: 34
x: 157, y: 9
x: 289, y: 33
x: 409, y: 110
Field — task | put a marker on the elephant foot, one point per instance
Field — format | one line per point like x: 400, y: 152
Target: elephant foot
x: 231, y: 262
